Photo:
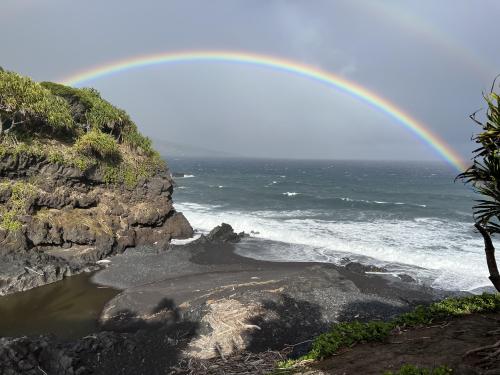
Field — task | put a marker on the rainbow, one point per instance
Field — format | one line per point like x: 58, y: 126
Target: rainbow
x: 316, y: 74
x: 428, y: 33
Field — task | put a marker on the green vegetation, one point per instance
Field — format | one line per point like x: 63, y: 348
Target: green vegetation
x: 69, y: 126
x: 484, y: 176
x: 21, y: 195
x: 414, y: 370
x: 345, y: 335
x: 92, y: 112
x: 26, y: 104
x: 97, y: 144
x: 96, y: 133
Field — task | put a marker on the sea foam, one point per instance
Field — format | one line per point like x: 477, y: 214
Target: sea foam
x: 446, y: 254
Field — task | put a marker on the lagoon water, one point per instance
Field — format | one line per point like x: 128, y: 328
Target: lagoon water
x: 406, y: 216
x: 68, y: 308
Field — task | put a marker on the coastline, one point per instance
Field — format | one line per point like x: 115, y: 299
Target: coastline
x: 202, y: 301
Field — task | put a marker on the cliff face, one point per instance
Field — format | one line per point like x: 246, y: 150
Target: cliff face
x: 74, y: 215
x: 78, y: 183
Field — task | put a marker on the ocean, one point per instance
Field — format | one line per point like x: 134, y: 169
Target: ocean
x: 404, y: 216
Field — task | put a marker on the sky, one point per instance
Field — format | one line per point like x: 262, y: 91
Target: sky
x: 433, y: 59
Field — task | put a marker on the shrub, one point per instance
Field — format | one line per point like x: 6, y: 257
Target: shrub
x: 98, y: 144
x: 90, y: 109
x: 23, y: 100
x: 22, y: 193
x: 344, y: 335
x: 347, y: 334
x: 136, y: 140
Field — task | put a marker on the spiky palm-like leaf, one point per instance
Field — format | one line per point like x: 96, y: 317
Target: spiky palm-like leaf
x: 484, y: 176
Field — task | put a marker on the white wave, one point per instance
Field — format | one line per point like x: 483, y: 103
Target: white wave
x: 346, y: 199
x: 184, y: 241
x: 290, y: 194
x: 220, y: 186
x: 450, y: 254
x: 188, y: 176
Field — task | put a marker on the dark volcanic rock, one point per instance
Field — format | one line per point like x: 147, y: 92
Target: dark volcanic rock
x: 36, y: 356
x: 78, y: 218
x: 222, y: 233
x: 361, y: 268
x: 25, y: 270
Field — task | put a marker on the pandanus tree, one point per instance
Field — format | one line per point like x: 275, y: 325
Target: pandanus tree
x: 484, y: 176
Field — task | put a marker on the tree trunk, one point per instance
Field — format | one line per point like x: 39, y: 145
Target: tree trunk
x: 489, y: 249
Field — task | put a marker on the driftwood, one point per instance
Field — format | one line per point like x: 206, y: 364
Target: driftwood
x: 243, y: 363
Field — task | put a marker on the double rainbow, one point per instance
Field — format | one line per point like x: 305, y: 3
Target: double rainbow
x: 376, y: 101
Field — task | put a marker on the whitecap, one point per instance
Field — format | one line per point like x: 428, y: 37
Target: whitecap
x: 448, y: 254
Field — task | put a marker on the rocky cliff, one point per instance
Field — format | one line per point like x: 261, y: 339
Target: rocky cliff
x: 78, y: 183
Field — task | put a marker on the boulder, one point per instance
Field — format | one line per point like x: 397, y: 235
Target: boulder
x: 224, y: 233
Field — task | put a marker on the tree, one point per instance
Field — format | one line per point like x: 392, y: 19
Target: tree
x: 484, y: 176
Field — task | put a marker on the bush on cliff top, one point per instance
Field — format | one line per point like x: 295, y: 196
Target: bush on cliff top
x: 96, y: 131
x: 24, y: 102
x: 69, y: 126
x: 92, y: 112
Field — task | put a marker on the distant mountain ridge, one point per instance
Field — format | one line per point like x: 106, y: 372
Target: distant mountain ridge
x: 174, y: 149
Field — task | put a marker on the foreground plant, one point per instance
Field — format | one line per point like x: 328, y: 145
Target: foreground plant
x: 484, y: 176
x: 346, y: 335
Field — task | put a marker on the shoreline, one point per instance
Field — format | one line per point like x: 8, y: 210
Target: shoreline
x: 201, y: 300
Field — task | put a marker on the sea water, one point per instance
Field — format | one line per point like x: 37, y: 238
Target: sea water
x: 405, y: 216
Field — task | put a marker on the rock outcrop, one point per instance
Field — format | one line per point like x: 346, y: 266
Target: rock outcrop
x: 223, y: 233
x: 78, y: 182
x: 74, y: 219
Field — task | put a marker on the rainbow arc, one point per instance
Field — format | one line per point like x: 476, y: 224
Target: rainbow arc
x: 419, y: 129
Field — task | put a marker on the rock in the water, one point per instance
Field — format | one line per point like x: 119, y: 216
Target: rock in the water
x: 224, y: 233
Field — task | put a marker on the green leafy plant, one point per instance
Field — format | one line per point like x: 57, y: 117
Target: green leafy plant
x: 344, y: 335
x: 98, y: 135
x: 24, y: 102
x: 484, y: 176
x: 89, y: 109
x: 98, y: 144
x: 21, y: 194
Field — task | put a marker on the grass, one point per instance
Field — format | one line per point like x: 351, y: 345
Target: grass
x: 344, y: 335
x: 18, y: 204
x: 97, y: 134
x: 96, y: 144
x: 29, y: 103
x: 90, y: 110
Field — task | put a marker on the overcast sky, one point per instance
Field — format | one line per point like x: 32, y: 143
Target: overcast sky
x: 431, y: 58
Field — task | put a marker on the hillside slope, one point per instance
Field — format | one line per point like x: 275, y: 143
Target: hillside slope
x: 78, y: 182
